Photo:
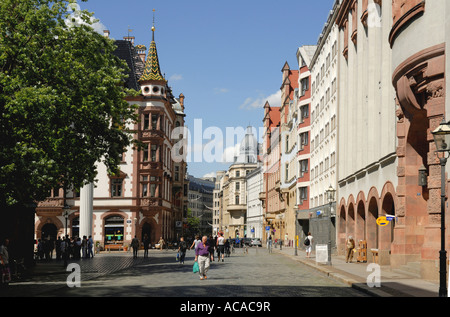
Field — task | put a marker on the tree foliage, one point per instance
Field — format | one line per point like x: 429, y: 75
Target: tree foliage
x: 61, y: 98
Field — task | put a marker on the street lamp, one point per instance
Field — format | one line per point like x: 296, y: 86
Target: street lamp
x: 330, y: 196
x: 442, y: 140
x: 66, y: 209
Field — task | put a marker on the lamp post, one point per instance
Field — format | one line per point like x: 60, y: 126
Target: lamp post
x: 442, y: 140
x: 296, y: 232
x: 66, y: 209
x: 330, y: 196
x: 66, y: 215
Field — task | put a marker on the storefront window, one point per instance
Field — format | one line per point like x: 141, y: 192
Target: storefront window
x: 114, y: 229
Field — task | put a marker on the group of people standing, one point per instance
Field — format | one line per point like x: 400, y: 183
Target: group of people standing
x: 65, y: 247
x: 75, y: 248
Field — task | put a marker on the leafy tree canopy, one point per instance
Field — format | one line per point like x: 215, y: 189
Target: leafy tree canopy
x: 61, y: 98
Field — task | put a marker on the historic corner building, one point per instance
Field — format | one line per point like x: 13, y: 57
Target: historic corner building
x: 392, y: 87
x: 150, y: 194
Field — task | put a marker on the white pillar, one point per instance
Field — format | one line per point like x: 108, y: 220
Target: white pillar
x: 86, y: 210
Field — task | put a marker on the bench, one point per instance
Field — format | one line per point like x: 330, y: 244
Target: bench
x: 110, y: 247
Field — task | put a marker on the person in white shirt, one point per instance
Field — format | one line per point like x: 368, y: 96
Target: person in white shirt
x: 220, y: 247
x: 308, y: 244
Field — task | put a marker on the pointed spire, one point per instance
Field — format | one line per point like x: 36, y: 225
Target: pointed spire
x: 152, y: 69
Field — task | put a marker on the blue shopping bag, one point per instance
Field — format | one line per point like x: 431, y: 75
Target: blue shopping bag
x: 195, y: 267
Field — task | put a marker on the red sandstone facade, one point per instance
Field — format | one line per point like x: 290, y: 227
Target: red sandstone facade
x: 418, y: 78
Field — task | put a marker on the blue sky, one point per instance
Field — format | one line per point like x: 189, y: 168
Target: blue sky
x: 224, y: 56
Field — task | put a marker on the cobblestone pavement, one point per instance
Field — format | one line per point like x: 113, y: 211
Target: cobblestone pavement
x: 256, y: 274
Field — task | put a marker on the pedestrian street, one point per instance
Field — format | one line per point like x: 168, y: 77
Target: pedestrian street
x: 257, y: 273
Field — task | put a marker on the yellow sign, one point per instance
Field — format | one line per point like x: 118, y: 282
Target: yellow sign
x: 382, y: 221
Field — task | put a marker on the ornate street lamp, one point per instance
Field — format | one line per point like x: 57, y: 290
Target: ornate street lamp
x: 330, y: 196
x: 442, y: 140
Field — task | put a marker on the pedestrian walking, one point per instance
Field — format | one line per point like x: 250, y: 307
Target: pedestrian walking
x: 350, y: 246
x: 211, y: 246
x: 65, y: 250
x: 4, y: 262
x: 90, y: 246
x: 195, y: 243
x: 84, y: 247
x: 202, y: 257
x: 51, y: 247
x: 77, y: 248
x: 40, y: 249
x: 146, y: 242
x: 308, y: 244
x: 220, y: 247
x: 227, y: 247
x: 161, y: 243
x: 182, y: 250
x: 135, y: 246
x: 269, y: 244
x: 58, y: 248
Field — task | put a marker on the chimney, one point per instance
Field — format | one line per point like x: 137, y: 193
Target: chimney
x: 106, y: 33
x: 129, y: 38
x: 140, y: 49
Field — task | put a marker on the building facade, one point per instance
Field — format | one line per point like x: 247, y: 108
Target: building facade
x: 255, y: 215
x: 217, y: 203
x: 148, y: 195
x: 324, y: 117
x: 201, y: 202
x: 367, y: 143
x: 418, y: 75
x: 302, y: 102
x: 270, y: 197
x: 288, y: 155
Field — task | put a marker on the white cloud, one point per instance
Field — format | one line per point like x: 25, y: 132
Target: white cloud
x: 221, y: 90
x: 229, y: 153
x: 176, y: 77
x: 212, y: 174
x: 257, y: 103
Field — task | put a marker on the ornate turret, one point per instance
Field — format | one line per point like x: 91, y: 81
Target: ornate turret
x: 152, y: 81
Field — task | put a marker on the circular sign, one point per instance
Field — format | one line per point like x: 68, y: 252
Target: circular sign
x: 382, y: 221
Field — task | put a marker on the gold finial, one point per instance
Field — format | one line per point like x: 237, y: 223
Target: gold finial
x: 153, y: 27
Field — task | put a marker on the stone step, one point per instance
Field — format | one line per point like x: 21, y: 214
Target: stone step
x: 411, y: 269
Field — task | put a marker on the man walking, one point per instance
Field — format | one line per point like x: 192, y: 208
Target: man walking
x: 135, y: 246
x: 202, y: 257
x: 182, y: 250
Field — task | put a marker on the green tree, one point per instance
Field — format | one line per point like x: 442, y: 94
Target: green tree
x: 62, y: 100
x: 193, y: 223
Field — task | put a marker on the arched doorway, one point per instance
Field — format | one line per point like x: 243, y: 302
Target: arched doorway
x: 49, y: 231
x: 114, y: 230
x: 372, y: 227
x: 147, y: 230
x: 388, y: 231
x: 360, y: 222
x: 351, y: 221
x: 342, y: 228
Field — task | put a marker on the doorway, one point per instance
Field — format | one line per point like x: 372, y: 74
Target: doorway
x: 49, y: 231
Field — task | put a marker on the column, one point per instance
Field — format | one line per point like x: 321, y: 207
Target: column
x: 86, y: 209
